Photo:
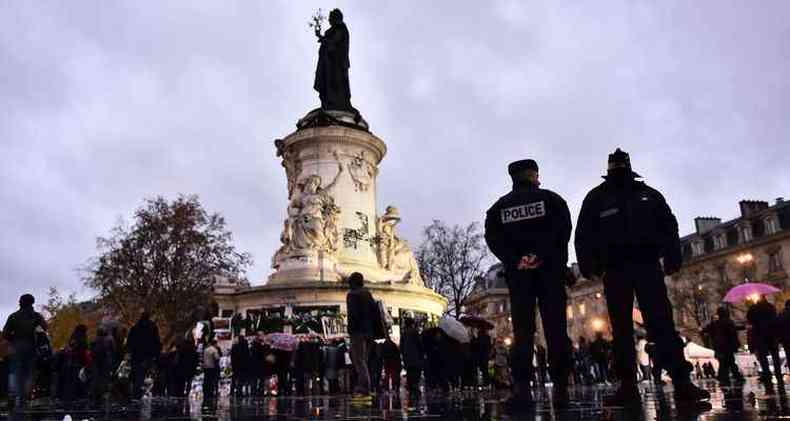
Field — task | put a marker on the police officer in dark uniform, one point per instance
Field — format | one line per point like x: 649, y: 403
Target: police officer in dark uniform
x: 528, y: 230
x: 625, y: 229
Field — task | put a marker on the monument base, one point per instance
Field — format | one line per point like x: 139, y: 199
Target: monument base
x: 402, y: 300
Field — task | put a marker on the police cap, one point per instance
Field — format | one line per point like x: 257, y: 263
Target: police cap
x: 522, y: 165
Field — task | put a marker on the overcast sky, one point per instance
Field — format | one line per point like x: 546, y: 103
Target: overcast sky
x: 103, y: 104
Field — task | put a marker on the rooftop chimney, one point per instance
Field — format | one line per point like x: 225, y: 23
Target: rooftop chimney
x: 706, y: 223
x: 752, y: 207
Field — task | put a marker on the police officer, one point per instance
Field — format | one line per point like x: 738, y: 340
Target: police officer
x: 624, y: 230
x: 528, y: 230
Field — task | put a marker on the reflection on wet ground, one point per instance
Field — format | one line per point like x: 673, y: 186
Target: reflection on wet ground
x: 750, y: 402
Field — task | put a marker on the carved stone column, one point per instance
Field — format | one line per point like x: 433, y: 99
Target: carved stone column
x: 346, y: 159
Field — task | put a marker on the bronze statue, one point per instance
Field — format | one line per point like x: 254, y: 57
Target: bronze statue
x: 331, y: 74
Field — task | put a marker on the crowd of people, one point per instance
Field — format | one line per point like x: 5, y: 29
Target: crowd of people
x: 115, y: 364
x: 122, y: 365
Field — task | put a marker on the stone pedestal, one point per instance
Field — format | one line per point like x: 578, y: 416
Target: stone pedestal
x: 331, y: 226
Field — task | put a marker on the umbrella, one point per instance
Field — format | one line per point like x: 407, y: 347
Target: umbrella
x: 743, y: 291
x: 281, y: 341
x: 697, y: 351
x: 454, y: 329
x: 476, y: 321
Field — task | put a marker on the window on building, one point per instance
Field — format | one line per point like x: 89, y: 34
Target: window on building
x: 582, y: 309
x: 502, y: 307
x: 732, y: 236
x: 686, y: 251
x: 701, y: 310
x: 775, y: 261
x: 569, y: 312
x: 723, y: 278
x: 697, y: 248
x: 719, y: 241
x: 745, y: 233
x: 771, y: 225
x: 708, y: 244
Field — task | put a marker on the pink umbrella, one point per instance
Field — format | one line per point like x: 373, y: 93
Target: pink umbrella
x: 743, y: 291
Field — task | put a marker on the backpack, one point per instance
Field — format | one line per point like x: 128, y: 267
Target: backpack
x: 25, y: 324
x: 382, y: 321
x: 43, y: 346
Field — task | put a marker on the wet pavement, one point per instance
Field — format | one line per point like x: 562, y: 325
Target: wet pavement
x: 750, y: 402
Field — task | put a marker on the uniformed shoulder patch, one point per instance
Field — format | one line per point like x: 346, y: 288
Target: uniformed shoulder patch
x: 523, y: 212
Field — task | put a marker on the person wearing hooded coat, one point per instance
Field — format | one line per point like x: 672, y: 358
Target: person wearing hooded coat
x: 144, y: 346
x: 762, y: 317
x: 724, y: 338
x: 240, y: 365
x: 413, y: 353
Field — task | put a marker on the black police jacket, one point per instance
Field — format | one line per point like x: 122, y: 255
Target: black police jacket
x: 625, y: 222
x: 529, y: 220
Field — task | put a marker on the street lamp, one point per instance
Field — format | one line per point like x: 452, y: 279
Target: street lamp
x: 508, y: 341
x: 745, y: 258
x: 597, y: 324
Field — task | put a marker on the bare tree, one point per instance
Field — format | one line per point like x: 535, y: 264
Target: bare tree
x: 451, y: 260
x: 166, y: 262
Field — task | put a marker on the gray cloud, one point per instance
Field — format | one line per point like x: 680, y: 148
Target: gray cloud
x: 104, y: 104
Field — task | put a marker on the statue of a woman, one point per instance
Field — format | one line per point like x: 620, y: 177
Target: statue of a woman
x: 313, y: 215
x: 331, y: 74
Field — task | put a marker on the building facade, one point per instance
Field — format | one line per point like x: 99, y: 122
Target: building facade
x: 754, y: 247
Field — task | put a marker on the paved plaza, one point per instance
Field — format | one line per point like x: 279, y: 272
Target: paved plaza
x: 749, y: 402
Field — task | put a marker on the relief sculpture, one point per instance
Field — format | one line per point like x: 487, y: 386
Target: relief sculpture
x: 313, y: 218
x: 362, y: 172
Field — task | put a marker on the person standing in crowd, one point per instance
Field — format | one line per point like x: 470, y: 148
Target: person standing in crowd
x: 628, y: 237
x: 501, y: 365
x: 583, y: 362
x: 102, y: 364
x: 240, y: 365
x: 260, y: 368
x: 362, y: 311
x: 433, y: 357
x: 20, y: 331
x: 528, y: 230
x: 186, y: 363
x: 332, y: 362
x: 483, y: 355
x: 390, y: 356
x: 413, y: 354
x: 144, y: 345
x: 211, y: 357
x: 762, y: 317
x: 599, y: 353
x: 540, y: 362
x: 723, y: 335
x: 375, y: 367
x: 783, y: 330
x: 76, y: 357
x: 657, y: 370
x: 642, y: 358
